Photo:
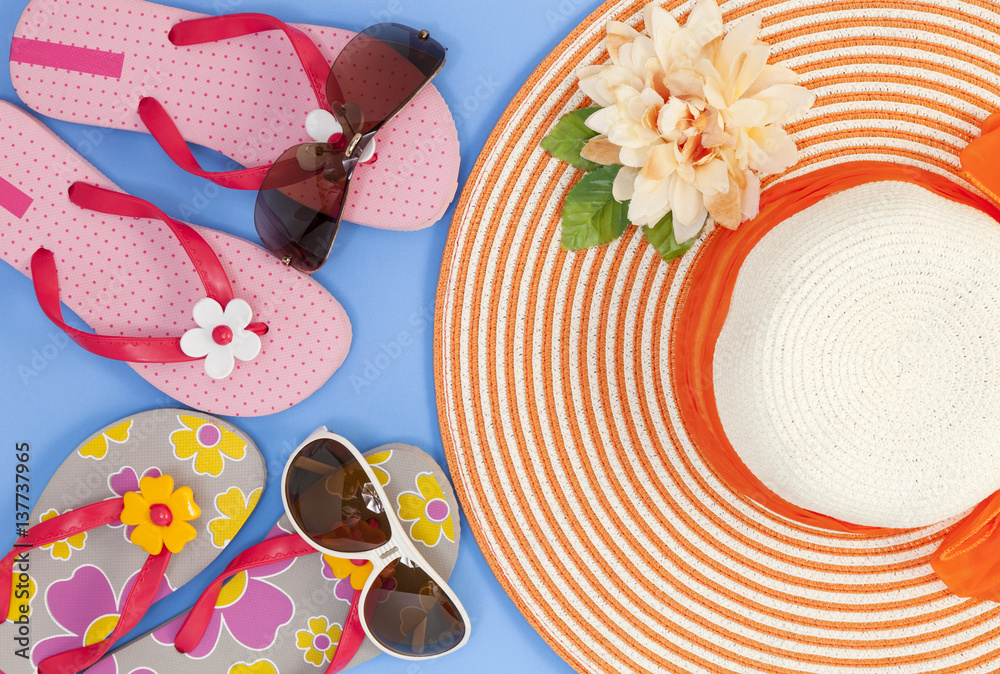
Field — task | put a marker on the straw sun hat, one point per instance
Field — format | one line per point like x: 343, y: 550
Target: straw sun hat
x: 779, y: 452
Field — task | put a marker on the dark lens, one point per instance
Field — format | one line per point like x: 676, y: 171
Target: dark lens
x: 300, y: 203
x: 409, y: 613
x: 332, y: 500
x: 380, y: 70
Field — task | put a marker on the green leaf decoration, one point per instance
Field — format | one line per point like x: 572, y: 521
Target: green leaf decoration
x: 590, y: 215
x: 568, y: 136
x: 661, y: 235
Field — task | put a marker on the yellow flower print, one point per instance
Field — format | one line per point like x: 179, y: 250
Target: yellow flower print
x: 63, y: 549
x: 207, y: 442
x: 428, y: 510
x: 21, y: 595
x: 376, y: 460
x: 259, y: 667
x: 160, y: 515
x: 98, y: 447
x: 342, y: 568
x: 319, y: 642
x: 235, y: 509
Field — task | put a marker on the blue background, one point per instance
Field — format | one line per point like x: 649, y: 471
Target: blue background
x: 386, y: 282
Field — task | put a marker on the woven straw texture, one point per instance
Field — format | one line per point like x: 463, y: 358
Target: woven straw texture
x: 857, y: 366
x: 580, y: 484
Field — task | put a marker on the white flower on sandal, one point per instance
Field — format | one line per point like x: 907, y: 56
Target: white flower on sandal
x: 221, y: 336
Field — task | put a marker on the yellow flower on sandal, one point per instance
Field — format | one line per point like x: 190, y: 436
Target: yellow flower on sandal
x: 63, y: 549
x: 235, y: 509
x: 319, y: 642
x: 344, y: 568
x: 428, y: 510
x: 160, y: 515
x: 208, y: 443
x: 259, y: 667
x: 97, y: 448
x: 376, y: 461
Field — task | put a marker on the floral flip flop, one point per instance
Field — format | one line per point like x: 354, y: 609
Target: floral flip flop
x: 291, y: 612
x: 137, y: 511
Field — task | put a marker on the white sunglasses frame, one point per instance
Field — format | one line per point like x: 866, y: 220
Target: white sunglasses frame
x: 398, y: 546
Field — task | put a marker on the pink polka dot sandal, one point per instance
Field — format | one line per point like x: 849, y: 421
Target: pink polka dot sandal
x: 135, y: 512
x: 121, y: 64
x: 209, y: 319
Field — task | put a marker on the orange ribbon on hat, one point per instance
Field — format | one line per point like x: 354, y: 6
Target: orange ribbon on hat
x: 968, y: 559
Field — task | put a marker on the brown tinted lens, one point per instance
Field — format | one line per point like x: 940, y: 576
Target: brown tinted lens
x: 409, y: 613
x: 380, y: 70
x: 332, y: 500
x: 300, y: 202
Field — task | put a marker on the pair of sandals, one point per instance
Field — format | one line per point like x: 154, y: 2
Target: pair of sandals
x: 142, y: 280
x: 79, y: 580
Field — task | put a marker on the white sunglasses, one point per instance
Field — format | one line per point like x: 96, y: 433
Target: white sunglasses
x: 336, y: 503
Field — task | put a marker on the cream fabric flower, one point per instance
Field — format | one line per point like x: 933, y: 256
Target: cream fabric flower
x: 693, y: 115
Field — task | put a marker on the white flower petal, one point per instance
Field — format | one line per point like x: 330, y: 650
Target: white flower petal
x: 750, y: 199
x: 706, y: 18
x: 751, y: 68
x: 635, y: 157
x: 658, y: 19
x: 784, y: 101
x: 737, y: 41
x: 770, y: 76
x: 207, y: 313
x: 220, y: 362
x: 237, y: 315
x: 246, y: 345
x: 686, y: 203
x: 712, y: 176
x: 197, y: 342
x: 619, y: 28
x: 683, y: 232
x: 624, y: 184
x: 772, y: 151
x: 746, y: 112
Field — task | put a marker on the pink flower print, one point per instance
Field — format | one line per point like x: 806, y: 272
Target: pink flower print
x: 240, y: 608
x: 127, y: 480
x: 85, y: 606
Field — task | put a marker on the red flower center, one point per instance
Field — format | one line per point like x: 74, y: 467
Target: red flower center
x: 160, y: 515
x: 222, y: 334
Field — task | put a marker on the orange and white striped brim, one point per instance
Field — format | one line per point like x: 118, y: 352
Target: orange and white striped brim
x: 582, y: 487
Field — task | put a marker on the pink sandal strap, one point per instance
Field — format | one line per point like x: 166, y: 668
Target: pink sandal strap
x: 143, y: 591
x: 58, y: 528
x: 132, y: 349
x: 266, y: 552
x: 212, y: 29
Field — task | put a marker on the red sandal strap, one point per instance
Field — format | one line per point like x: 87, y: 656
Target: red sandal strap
x: 165, y: 132
x: 143, y: 591
x: 266, y: 552
x: 58, y: 528
x: 212, y: 29
x: 228, y: 26
x: 131, y: 349
x: 351, y: 637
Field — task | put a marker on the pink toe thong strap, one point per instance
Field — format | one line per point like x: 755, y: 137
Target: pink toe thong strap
x: 267, y: 552
x: 70, y: 524
x: 132, y: 349
x: 161, y: 125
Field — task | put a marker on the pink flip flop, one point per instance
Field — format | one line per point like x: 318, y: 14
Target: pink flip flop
x: 93, y: 62
x: 211, y: 320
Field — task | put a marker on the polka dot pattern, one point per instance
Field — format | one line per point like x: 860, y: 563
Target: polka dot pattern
x: 246, y: 98
x: 126, y: 276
